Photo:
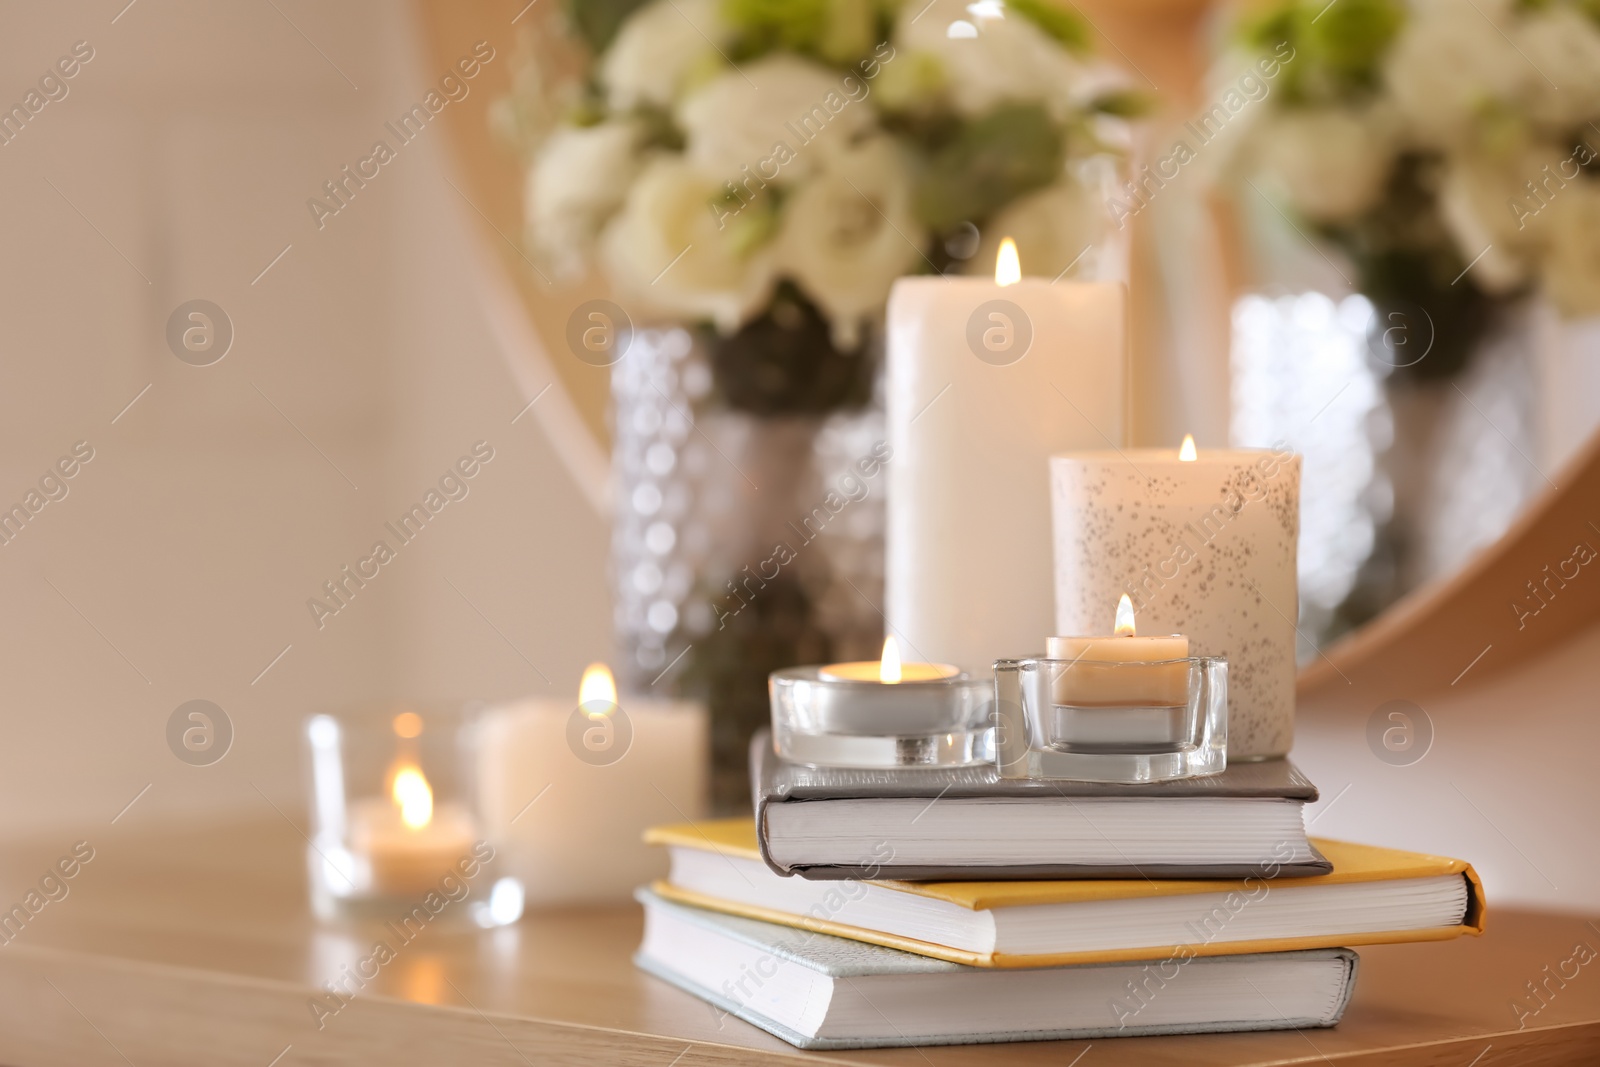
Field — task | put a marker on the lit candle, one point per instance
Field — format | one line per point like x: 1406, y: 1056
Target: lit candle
x: 881, y: 713
x: 1097, y: 673
x: 888, y: 669
x: 408, y: 843
x: 1204, y: 544
x: 569, y: 787
x: 986, y: 379
x: 885, y: 696
x: 1120, y: 691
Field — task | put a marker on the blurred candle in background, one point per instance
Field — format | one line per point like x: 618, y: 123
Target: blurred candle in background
x: 569, y: 786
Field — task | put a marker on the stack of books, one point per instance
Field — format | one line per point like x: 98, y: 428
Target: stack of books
x: 915, y: 907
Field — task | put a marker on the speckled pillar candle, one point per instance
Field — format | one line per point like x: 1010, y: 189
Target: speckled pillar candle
x: 1203, y: 547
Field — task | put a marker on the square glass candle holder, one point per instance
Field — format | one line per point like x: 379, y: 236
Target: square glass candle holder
x: 1093, y: 721
x: 395, y: 819
x: 833, y: 722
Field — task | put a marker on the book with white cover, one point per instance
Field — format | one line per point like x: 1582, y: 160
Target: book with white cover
x: 816, y: 991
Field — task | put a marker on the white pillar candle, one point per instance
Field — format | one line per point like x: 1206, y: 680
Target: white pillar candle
x: 1203, y: 547
x: 567, y: 817
x: 984, y: 383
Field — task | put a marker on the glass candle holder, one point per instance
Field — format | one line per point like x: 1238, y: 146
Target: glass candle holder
x: 836, y: 722
x: 1095, y: 721
x: 396, y: 826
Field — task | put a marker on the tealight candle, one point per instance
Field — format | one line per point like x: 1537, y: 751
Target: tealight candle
x: 407, y: 856
x: 890, y: 697
x: 1093, y: 676
x: 879, y: 714
x: 888, y: 669
x: 407, y: 843
x: 1120, y: 690
x: 394, y: 817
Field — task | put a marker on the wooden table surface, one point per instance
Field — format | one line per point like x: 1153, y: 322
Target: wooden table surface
x: 196, y: 947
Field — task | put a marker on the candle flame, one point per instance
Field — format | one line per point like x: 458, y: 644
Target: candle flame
x: 1007, y: 267
x: 1187, y: 453
x: 413, y: 796
x: 1124, y: 617
x: 889, y: 665
x: 597, y: 685
x: 408, y: 724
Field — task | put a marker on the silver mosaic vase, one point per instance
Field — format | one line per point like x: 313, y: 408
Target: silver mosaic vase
x: 741, y: 543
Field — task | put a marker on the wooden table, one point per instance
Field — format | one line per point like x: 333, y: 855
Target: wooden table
x: 196, y: 947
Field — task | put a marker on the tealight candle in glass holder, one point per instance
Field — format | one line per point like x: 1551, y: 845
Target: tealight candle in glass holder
x: 881, y: 714
x: 1121, y: 708
x: 395, y: 821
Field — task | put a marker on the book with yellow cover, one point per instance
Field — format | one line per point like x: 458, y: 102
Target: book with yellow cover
x: 1373, y: 896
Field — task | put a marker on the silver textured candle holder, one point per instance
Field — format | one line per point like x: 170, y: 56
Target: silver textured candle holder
x: 1094, y: 721
x: 825, y: 721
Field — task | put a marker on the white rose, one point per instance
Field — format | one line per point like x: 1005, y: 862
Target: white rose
x: 1447, y: 62
x: 667, y: 251
x: 1474, y: 199
x: 1333, y: 162
x: 994, y: 56
x: 1561, y: 76
x: 1053, y: 228
x: 849, y: 232
x: 580, y: 177
x: 779, y: 117
x: 657, y: 48
x: 1571, y: 267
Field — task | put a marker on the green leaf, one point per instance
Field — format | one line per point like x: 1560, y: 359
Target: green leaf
x: 597, y: 21
x: 1353, y: 35
x: 1338, y: 49
x: 1123, y: 103
x: 1066, y: 27
x: 989, y: 162
x: 833, y: 31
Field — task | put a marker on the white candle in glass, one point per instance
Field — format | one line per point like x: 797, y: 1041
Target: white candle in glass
x: 987, y: 379
x: 406, y: 852
x: 887, y: 696
x: 1121, y: 670
x: 1204, y: 544
x: 400, y: 843
x: 566, y: 821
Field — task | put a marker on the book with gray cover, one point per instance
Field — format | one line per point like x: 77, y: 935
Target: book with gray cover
x: 968, y: 823
x: 816, y: 991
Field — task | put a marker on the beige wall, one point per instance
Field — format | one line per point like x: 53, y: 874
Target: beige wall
x: 1507, y: 783
x: 190, y: 543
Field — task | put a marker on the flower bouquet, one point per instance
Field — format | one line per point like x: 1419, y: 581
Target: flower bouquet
x: 1449, y: 149
x: 750, y: 177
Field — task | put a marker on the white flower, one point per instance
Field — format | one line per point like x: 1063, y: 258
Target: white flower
x: 1332, y: 161
x: 849, y: 232
x: 1571, y: 267
x: 1561, y: 74
x: 779, y: 117
x: 1054, y: 229
x: 990, y: 60
x: 580, y: 177
x: 667, y: 251
x: 1474, y: 199
x: 1447, y: 63
x: 657, y: 48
